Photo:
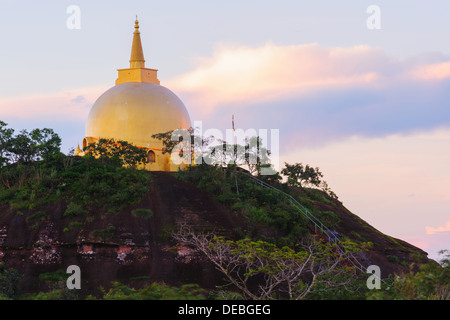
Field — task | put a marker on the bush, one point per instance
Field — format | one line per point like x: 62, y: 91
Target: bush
x: 74, y: 210
x: 329, y: 218
x: 105, y: 234
x: 393, y: 259
x: 155, y: 291
x: 76, y: 224
x: 142, y: 213
x: 55, y: 276
x: 40, y: 215
x: 56, y: 287
x: 9, y: 282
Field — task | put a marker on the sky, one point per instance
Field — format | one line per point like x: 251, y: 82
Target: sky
x: 361, y: 93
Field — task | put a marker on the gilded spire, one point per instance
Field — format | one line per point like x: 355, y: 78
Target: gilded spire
x: 137, y: 71
x: 137, y: 54
x: 78, y: 151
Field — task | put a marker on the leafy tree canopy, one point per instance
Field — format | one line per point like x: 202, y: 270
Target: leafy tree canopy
x: 24, y: 147
x: 122, y: 151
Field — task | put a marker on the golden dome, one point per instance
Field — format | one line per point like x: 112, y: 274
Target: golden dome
x: 134, y: 111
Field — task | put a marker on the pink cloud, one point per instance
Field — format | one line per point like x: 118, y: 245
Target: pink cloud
x: 241, y: 73
x: 436, y: 71
x: 440, y: 229
x: 67, y: 104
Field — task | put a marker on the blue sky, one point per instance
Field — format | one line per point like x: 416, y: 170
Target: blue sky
x: 369, y: 107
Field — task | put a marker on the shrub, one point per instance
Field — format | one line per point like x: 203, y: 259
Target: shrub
x: 329, y: 218
x: 155, y: 291
x: 75, y: 224
x: 104, y: 234
x: 53, y: 276
x: 142, y: 213
x: 9, y: 282
x: 393, y: 259
x: 74, y: 209
x: 40, y: 215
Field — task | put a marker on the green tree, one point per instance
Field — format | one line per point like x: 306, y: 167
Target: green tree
x: 39, y: 144
x: 191, y: 146
x: 278, y: 272
x: 9, y: 282
x: 169, y: 140
x: 46, y: 142
x: 21, y: 148
x: 301, y: 176
x: 121, y: 151
x: 5, y: 140
x: 252, y: 155
x: 431, y: 282
x: 203, y: 149
x: 256, y: 156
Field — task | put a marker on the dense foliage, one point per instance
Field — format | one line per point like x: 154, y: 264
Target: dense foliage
x: 154, y: 291
x: 316, y: 268
x: 83, y: 183
x: 53, y: 287
x: 122, y: 151
x: 39, y: 144
x: 431, y: 282
x: 261, y: 206
x: 9, y: 282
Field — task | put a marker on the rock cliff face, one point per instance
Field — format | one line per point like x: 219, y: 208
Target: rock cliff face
x: 135, y: 247
x: 122, y: 247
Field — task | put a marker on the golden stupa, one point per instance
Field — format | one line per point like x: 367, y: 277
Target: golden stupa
x: 136, y: 108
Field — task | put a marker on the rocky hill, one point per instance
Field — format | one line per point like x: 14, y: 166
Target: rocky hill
x: 136, y: 243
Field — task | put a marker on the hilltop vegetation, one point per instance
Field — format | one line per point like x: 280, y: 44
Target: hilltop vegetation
x: 262, y: 207
x: 34, y: 172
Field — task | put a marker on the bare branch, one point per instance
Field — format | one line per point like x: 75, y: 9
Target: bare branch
x: 278, y: 271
